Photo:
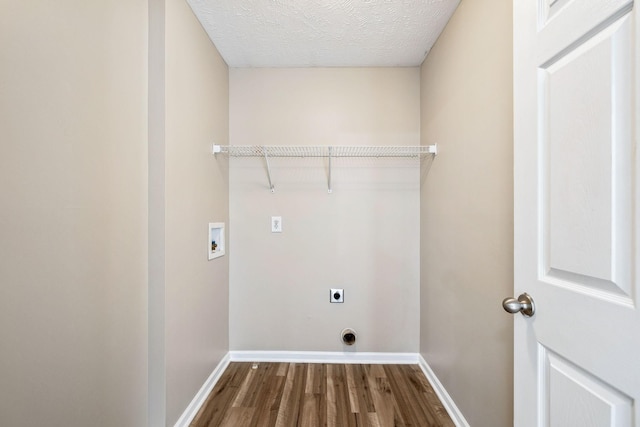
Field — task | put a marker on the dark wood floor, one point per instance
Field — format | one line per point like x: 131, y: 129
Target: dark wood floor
x: 310, y: 395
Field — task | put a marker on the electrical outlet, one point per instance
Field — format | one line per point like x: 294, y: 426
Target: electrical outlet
x: 336, y: 295
x: 276, y: 224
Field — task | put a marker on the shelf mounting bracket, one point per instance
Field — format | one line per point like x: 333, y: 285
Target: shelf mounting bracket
x: 266, y: 160
x: 330, y: 189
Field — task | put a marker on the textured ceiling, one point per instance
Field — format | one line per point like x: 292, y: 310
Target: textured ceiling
x: 323, y: 33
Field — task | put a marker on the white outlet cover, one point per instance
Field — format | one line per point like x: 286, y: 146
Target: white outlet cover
x: 276, y: 224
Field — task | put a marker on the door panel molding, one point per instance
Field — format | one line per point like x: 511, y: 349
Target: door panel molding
x: 577, y: 398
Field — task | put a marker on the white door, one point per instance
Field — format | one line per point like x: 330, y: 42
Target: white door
x: 577, y: 212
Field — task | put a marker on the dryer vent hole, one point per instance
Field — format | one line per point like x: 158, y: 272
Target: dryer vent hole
x: 348, y: 336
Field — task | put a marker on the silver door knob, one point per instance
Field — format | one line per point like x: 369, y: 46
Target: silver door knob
x: 524, y: 304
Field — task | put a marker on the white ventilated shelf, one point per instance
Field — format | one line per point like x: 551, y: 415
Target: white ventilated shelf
x: 330, y: 152
x: 324, y: 150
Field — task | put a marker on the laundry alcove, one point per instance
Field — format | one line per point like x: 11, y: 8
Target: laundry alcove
x: 363, y: 236
x: 111, y: 109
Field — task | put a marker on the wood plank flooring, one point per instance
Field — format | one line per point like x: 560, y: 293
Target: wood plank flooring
x: 315, y: 395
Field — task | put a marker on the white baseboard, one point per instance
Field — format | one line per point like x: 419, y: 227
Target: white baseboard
x: 448, y: 403
x: 203, y: 393
x: 324, y: 357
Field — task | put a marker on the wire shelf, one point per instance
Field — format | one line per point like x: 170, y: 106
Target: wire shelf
x: 324, y: 151
x: 331, y: 152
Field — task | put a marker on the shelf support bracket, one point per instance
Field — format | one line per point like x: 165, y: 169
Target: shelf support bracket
x: 266, y: 160
x: 330, y: 152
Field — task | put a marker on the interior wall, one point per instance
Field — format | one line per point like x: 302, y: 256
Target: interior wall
x: 73, y: 179
x: 156, y: 385
x: 196, y: 193
x: 467, y: 211
x: 363, y: 237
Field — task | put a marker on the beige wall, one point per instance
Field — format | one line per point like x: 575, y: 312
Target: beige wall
x: 363, y: 237
x: 79, y: 140
x: 157, y: 384
x: 73, y: 222
x: 466, y: 212
x: 196, y: 290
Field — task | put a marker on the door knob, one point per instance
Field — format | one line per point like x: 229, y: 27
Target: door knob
x: 524, y: 304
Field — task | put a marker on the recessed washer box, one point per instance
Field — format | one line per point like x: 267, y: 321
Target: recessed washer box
x: 216, y: 239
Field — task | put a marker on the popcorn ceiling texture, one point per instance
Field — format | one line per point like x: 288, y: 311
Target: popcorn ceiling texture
x: 323, y: 33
